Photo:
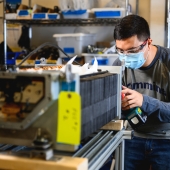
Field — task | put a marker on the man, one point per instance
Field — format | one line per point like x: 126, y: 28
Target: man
x: 147, y: 86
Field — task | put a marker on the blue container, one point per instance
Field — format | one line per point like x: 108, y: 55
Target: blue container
x: 107, y: 14
x: 75, y: 14
x: 102, y: 62
x: 69, y: 50
x: 52, y: 16
x: 23, y: 13
x: 11, y: 57
x: 37, y: 62
x: 39, y: 16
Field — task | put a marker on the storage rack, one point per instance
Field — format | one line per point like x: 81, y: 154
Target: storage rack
x: 66, y: 22
x: 167, y: 32
x: 58, y: 22
x: 5, y: 34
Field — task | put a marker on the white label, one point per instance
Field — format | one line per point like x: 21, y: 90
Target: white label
x: 135, y: 120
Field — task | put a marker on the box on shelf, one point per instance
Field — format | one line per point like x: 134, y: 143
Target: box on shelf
x: 10, y: 15
x: 103, y: 59
x: 42, y: 12
x: 24, y: 14
x: 108, y: 12
x: 74, y: 14
x: 38, y: 15
x: 45, y: 16
x: 74, y: 44
x: 53, y: 16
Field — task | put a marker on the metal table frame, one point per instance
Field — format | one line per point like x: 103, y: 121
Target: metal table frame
x: 99, y: 148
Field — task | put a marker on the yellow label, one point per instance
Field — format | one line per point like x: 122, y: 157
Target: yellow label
x: 139, y: 110
x: 69, y: 118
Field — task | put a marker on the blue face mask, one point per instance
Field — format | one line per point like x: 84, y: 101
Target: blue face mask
x: 133, y: 61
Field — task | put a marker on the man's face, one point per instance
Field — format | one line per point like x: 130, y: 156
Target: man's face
x: 131, y: 45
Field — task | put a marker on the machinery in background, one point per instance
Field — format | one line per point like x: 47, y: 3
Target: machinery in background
x: 29, y: 105
x: 28, y: 115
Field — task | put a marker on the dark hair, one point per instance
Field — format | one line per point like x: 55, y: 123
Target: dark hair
x: 132, y: 25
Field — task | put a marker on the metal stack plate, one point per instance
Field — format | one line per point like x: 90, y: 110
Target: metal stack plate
x: 99, y: 101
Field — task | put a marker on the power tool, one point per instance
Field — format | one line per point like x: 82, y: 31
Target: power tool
x: 135, y: 116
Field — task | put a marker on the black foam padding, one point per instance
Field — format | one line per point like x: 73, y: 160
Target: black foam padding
x: 99, y: 101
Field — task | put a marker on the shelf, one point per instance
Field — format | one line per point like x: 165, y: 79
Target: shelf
x: 66, y: 22
x: 99, y: 55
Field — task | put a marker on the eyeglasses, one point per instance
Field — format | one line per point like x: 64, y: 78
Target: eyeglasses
x: 133, y: 50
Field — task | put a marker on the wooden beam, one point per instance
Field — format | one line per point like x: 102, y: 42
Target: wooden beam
x: 59, y: 163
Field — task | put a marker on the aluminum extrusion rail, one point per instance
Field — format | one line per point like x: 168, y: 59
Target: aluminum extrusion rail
x: 102, y: 146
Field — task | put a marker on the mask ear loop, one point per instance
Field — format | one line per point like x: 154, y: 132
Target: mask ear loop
x: 149, y: 43
x: 148, y: 51
x: 147, y: 55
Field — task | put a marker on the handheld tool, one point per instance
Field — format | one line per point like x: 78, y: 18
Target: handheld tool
x: 134, y: 116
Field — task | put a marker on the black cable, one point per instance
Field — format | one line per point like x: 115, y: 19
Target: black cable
x: 41, y: 46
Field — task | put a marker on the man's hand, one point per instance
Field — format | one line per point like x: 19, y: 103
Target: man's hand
x: 131, y: 99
